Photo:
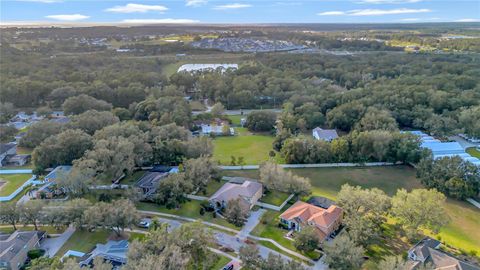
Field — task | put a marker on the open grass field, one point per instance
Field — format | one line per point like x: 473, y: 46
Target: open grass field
x: 473, y: 152
x: 328, y: 181
x: 189, y: 209
x: 462, y: 232
x: 84, y: 241
x: 254, y: 148
x: 10, y: 182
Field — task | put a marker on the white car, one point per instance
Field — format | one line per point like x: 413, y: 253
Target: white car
x: 145, y: 223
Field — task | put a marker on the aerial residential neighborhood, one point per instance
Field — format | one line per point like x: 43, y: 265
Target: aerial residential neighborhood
x: 227, y: 135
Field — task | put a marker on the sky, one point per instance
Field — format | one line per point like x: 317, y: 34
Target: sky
x: 239, y: 11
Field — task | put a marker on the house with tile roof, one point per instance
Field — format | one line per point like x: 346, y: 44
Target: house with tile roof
x: 301, y: 214
x: 427, y: 252
x: 249, y: 192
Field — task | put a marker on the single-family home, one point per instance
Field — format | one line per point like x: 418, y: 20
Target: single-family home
x: 217, y: 127
x: 301, y: 214
x: 7, y: 150
x: 428, y: 251
x: 17, y: 160
x: 114, y: 252
x: 321, y: 202
x: 195, y: 68
x: 249, y: 193
x: 14, y: 247
x: 149, y: 181
x: 324, y: 134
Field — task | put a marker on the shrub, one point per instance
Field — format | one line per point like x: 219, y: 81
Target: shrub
x: 35, y: 253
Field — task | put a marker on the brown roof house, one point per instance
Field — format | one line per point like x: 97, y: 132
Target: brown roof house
x: 14, y: 247
x: 249, y: 192
x: 301, y: 214
x: 427, y: 252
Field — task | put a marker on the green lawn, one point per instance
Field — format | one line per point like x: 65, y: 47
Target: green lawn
x: 473, y: 152
x: 462, y: 231
x: 133, y: 178
x: 189, y: 209
x: 328, y: 181
x: 48, y: 229
x: 274, y: 197
x: 253, y: 148
x: 212, y: 187
x: 12, y: 182
x: 236, y: 119
x: 84, y: 241
x: 221, y: 262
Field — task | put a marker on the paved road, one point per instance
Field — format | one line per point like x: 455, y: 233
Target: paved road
x: 234, y: 241
x: 53, y: 245
x: 464, y: 143
x: 252, y: 221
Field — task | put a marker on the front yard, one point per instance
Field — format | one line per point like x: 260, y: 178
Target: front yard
x: 190, y: 209
x: 268, y: 228
x: 84, y: 241
x: 11, y: 182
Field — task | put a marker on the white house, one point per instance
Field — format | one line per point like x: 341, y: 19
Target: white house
x: 324, y: 134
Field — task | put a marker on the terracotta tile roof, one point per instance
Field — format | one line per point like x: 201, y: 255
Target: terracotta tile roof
x: 307, y: 213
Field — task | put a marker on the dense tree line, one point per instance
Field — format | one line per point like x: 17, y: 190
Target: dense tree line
x: 451, y: 175
x: 366, y: 146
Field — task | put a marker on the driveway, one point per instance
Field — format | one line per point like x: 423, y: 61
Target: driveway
x: 464, y: 143
x: 52, y: 245
x: 251, y: 223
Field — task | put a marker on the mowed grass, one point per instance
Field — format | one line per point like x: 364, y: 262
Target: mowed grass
x: 274, y: 197
x: 462, y: 232
x: 221, y: 262
x: 236, y: 119
x: 473, y: 152
x: 11, y: 182
x: 84, y: 241
x: 254, y: 148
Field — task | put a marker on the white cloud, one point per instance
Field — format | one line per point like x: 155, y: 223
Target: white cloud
x: 331, y: 13
x: 68, y: 17
x: 155, y: 21
x: 195, y: 3
x: 374, y: 12
x: 467, y: 20
x: 388, y: 1
x: 232, y: 6
x: 133, y: 8
x: 377, y: 12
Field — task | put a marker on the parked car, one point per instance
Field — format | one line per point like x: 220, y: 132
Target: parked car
x: 145, y: 223
x: 228, y: 267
